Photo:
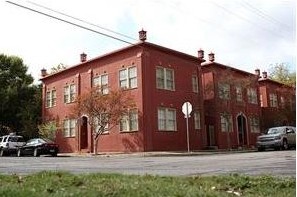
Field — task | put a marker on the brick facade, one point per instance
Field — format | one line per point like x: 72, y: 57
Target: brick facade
x: 150, y: 99
x: 228, y: 102
x: 278, y: 103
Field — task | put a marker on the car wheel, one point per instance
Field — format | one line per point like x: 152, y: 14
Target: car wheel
x: 54, y: 154
x: 35, y: 153
x: 285, y: 145
x: 19, y: 153
x: 2, y: 153
x: 261, y: 149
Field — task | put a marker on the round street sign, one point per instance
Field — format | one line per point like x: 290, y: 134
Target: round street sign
x: 187, y: 109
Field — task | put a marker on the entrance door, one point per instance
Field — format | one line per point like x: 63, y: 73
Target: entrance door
x: 241, y: 128
x: 84, y: 133
x: 211, y: 139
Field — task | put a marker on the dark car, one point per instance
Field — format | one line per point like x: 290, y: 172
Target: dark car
x: 37, y: 147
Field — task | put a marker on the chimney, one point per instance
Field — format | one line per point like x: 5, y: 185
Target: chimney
x: 43, y: 72
x: 200, y: 54
x: 83, y: 57
x: 264, y: 74
x: 211, y: 57
x: 142, y: 35
x: 257, y: 72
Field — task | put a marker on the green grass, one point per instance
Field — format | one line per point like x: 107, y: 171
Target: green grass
x: 66, y: 184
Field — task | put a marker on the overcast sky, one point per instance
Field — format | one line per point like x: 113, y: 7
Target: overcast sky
x: 245, y: 34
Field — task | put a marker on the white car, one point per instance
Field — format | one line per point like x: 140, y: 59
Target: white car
x: 10, y: 143
x: 283, y: 137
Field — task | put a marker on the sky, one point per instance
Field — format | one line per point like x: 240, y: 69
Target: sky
x: 244, y: 34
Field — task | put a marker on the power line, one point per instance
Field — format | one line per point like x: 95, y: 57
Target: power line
x: 263, y: 14
x: 71, y: 23
x: 78, y: 19
x: 245, y: 19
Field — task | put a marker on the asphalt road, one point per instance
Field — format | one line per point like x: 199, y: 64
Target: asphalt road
x: 278, y: 163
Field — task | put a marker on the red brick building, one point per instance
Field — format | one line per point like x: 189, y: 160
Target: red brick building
x: 160, y: 79
x: 232, y: 110
x: 278, y: 103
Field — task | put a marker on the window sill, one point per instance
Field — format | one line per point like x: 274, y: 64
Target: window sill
x: 169, y: 131
x: 129, y: 131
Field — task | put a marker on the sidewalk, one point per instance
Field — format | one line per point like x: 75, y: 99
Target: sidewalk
x: 157, y: 153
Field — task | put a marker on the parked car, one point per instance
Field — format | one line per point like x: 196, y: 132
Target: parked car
x: 278, y: 138
x: 10, y: 143
x: 37, y: 147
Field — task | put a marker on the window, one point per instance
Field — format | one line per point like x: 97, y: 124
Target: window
x: 239, y: 94
x: 273, y: 100
x: 51, y: 98
x: 166, y: 119
x: 102, y: 82
x: 224, y: 91
x: 129, y: 122
x: 165, y: 78
x: 282, y: 102
x: 195, y: 84
x: 69, y: 127
x: 226, y: 123
x: 252, y: 95
x: 254, y: 124
x: 128, y: 78
x: 101, y: 121
x: 69, y: 93
x: 197, y: 120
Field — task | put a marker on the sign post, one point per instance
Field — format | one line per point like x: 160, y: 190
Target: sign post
x: 187, y: 109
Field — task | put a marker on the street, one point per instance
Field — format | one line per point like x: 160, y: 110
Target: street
x: 278, y: 163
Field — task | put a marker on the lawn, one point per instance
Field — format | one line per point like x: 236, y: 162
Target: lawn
x: 84, y: 185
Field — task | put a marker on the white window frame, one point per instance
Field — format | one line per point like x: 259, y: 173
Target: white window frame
x: 197, y: 120
x: 239, y: 93
x: 69, y: 127
x: 162, y: 79
x: 128, y: 80
x: 273, y: 100
x: 224, y: 122
x: 102, y: 82
x: 255, y: 124
x: 127, y: 121
x: 252, y: 95
x: 51, y: 98
x: 69, y: 93
x: 195, y: 84
x: 168, y: 121
x: 224, y: 91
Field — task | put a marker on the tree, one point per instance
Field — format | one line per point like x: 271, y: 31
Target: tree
x: 20, y: 99
x: 48, y: 130
x: 103, y: 110
x: 58, y: 68
x: 281, y: 73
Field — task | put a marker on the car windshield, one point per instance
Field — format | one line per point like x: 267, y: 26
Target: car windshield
x: 45, y: 140
x: 272, y: 131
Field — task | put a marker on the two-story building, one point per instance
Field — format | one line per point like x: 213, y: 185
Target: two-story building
x: 160, y: 80
x: 231, y: 103
x: 278, y: 102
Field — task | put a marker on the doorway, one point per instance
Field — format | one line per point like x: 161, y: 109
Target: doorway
x: 241, y: 128
x: 84, y: 133
x: 211, y: 139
